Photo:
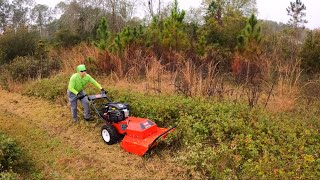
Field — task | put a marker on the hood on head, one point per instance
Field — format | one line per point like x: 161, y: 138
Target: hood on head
x: 81, y: 67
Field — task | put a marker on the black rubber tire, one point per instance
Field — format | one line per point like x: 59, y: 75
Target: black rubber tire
x: 109, y: 134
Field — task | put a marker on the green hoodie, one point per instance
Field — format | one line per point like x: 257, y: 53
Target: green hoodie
x: 77, y: 83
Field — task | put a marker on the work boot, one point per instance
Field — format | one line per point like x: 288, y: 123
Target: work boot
x: 88, y: 119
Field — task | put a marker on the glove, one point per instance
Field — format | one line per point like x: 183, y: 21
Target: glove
x: 103, y: 91
x: 80, y: 96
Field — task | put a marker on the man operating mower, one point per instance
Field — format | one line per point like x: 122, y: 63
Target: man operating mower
x: 75, y: 91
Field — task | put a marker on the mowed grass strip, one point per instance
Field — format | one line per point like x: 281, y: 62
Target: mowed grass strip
x: 67, y: 151
x: 53, y: 158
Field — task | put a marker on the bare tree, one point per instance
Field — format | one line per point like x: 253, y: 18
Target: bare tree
x: 19, y: 12
x: 152, y: 5
x: 41, y: 15
x: 118, y: 12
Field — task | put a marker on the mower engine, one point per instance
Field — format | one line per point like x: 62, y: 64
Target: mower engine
x: 115, y: 112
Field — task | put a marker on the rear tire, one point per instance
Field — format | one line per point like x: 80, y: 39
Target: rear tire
x: 109, y: 134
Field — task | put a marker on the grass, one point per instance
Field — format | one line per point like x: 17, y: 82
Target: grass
x: 44, y: 150
x: 62, y: 150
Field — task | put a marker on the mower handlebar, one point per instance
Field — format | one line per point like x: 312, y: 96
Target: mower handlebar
x: 98, y: 96
x: 93, y: 97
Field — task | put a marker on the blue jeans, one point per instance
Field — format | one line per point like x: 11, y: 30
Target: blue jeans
x: 73, y: 103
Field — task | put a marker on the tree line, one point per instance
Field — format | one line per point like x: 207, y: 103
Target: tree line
x: 222, y: 32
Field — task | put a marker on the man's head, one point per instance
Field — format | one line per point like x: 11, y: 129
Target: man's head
x: 81, y: 69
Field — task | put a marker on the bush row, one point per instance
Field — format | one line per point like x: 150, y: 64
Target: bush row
x: 230, y: 141
x: 48, y: 88
x: 24, y: 68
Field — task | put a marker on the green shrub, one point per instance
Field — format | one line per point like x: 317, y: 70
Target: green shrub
x: 5, y: 78
x: 230, y: 141
x: 24, y: 68
x: 14, y: 164
x: 9, y: 176
x: 48, y: 88
x: 66, y: 38
x: 17, y: 43
x: 310, y: 53
x: 54, y: 88
x: 10, y: 153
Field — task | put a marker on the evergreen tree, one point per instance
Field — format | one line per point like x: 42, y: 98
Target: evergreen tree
x: 154, y: 33
x: 295, y: 10
x: 310, y: 53
x: 174, y: 35
x: 118, y: 44
x: 221, y: 8
x: 225, y: 20
x: 250, y: 39
x: 126, y: 36
x: 103, y: 35
x: 201, y: 45
x: 215, y: 10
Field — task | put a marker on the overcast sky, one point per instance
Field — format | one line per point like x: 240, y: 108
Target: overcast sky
x: 268, y: 9
x: 276, y: 10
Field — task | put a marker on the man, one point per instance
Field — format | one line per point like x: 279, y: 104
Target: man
x: 75, y: 91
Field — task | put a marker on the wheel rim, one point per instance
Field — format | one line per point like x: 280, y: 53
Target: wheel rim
x: 105, y: 135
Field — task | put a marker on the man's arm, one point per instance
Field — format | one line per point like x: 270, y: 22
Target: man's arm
x: 94, y: 82
x: 71, y: 85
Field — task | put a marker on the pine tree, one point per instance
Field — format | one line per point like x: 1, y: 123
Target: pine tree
x: 295, y: 10
x: 310, y: 53
x: 103, y: 35
x: 215, y: 10
x: 174, y: 35
x: 154, y: 33
x: 250, y: 39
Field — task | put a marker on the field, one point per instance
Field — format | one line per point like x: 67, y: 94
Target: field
x: 243, y: 92
x: 214, y: 139
x: 61, y: 150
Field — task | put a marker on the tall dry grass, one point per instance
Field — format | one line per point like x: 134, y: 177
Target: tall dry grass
x: 173, y: 73
x: 289, y: 75
x: 155, y: 74
x: 282, y: 83
x: 148, y: 73
x: 72, y: 57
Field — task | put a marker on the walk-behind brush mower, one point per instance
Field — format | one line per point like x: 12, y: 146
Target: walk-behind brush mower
x: 138, y: 135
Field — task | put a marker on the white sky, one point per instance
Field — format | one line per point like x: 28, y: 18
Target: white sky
x: 274, y: 10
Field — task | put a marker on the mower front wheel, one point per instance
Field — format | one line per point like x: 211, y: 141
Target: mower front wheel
x: 109, y: 134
